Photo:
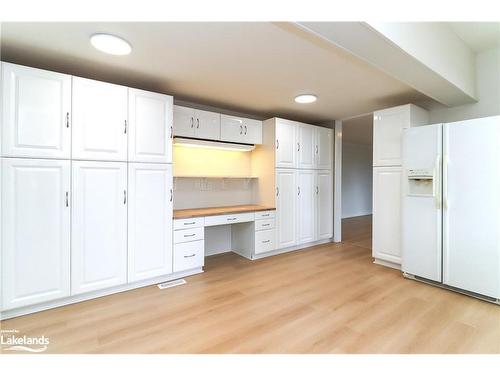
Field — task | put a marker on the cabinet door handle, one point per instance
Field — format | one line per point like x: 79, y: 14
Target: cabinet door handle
x: 190, y: 235
x: 241, y: 130
x: 298, y: 146
x: 265, y: 215
x: 277, y: 144
x: 191, y: 223
x: 124, y: 197
x: 316, y: 149
x: 266, y: 241
x: 67, y: 199
x: 266, y: 225
x: 277, y: 191
x: 67, y: 119
x: 172, y: 197
x: 317, y: 189
x: 171, y: 132
x: 245, y: 130
x: 192, y: 122
x: 231, y: 218
x: 125, y: 128
x: 189, y: 256
x: 298, y: 190
x: 197, y: 123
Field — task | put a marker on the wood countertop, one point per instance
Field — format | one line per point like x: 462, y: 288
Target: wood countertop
x: 212, y: 211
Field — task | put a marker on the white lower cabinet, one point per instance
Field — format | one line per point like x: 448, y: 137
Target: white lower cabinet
x: 306, y: 206
x: 149, y: 220
x: 324, y: 205
x: 35, y: 220
x: 189, y: 255
x: 99, y: 226
x: 286, y: 208
x: 387, y: 214
x: 264, y: 241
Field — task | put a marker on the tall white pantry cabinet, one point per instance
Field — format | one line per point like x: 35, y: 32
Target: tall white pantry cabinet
x: 303, y: 156
x: 86, y: 186
x: 388, y: 125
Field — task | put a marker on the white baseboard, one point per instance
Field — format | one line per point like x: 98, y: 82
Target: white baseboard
x: 291, y: 248
x: 386, y: 263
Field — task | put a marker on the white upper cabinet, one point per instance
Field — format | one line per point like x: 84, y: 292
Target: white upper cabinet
x: 388, y: 125
x: 149, y: 220
x: 306, y: 146
x: 241, y: 130
x: 99, y: 120
x: 98, y: 226
x: 323, y: 148
x: 35, y: 231
x: 286, y: 144
x: 150, y: 127
x: 286, y: 208
x: 324, y: 204
x: 306, y: 206
x: 195, y: 123
x: 36, y: 113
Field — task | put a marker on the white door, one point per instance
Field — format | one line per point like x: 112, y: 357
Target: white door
x: 183, y: 121
x: 149, y: 221
x: 252, y: 131
x: 286, y: 208
x: 471, y: 219
x: 231, y: 128
x: 323, y: 149
x: 99, y: 226
x: 207, y: 125
x: 35, y: 231
x: 286, y: 144
x: 387, y: 213
x: 36, y: 113
x: 305, y: 146
x: 387, y: 135
x: 324, y: 204
x: 99, y: 120
x: 306, y: 206
x: 150, y: 127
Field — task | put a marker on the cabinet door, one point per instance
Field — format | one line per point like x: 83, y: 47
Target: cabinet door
x: 323, y: 148
x: 387, y: 135
x: 99, y: 120
x: 387, y: 213
x: 35, y: 231
x: 252, y: 131
x: 36, y: 112
x: 183, y: 121
x: 231, y: 129
x: 149, y: 221
x: 286, y: 208
x: 207, y: 125
x: 324, y: 204
x: 99, y: 226
x: 286, y: 144
x: 306, y: 206
x: 150, y: 127
x: 306, y: 146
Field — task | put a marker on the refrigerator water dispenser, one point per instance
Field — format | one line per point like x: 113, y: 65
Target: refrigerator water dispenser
x: 421, y: 182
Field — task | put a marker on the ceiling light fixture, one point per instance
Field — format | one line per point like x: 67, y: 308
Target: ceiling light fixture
x: 306, y: 98
x: 111, y: 44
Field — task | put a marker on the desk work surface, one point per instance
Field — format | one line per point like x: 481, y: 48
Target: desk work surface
x: 212, y: 211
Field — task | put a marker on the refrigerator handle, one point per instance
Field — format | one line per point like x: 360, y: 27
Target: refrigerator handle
x: 445, y: 182
x: 437, y: 182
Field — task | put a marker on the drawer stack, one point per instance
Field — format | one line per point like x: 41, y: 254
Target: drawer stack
x: 264, y: 231
x: 189, y: 244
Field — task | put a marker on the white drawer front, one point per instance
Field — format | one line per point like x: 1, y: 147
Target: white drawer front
x: 264, y: 241
x: 193, y: 222
x: 264, y: 224
x: 187, y: 235
x: 189, y: 255
x: 229, y: 219
x: 265, y: 215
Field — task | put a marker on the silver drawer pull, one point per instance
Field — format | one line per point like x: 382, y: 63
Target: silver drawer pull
x: 190, y: 235
x: 189, y: 256
x: 231, y: 218
x: 194, y: 222
x: 265, y: 215
x: 266, y: 241
x: 266, y: 225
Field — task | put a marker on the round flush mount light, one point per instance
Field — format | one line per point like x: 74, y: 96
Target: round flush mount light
x: 111, y: 44
x: 306, y: 98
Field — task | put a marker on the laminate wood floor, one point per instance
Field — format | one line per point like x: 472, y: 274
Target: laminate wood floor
x: 327, y: 299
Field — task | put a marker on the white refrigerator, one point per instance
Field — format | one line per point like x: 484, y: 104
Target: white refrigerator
x: 451, y: 205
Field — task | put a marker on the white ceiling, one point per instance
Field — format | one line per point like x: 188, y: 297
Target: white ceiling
x: 254, y: 68
x: 358, y: 130
x: 479, y: 36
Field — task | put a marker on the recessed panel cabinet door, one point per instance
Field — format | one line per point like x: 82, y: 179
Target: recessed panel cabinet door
x: 286, y: 208
x: 36, y: 113
x: 324, y: 204
x: 149, y: 221
x: 183, y: 121
x: 35, y: 231
x: 306, y: 206
x: 207, y: 125
x: 306, y: 146
x: 388, y: 126
x: 387, y: 213
x: 323, y: 149
x: 231, y: 128
x: 286, y: 144
x: 150, y: 127
x: 99, y: 226
x: 99, y: 120
x: 252, y: 131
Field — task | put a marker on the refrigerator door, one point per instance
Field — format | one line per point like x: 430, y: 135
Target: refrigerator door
x: 421, y: 202
x: 471, y: 217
